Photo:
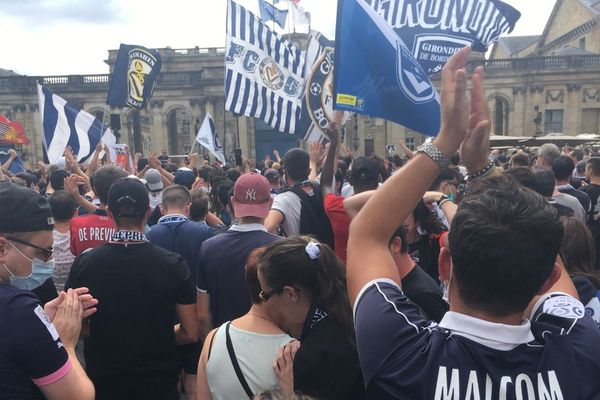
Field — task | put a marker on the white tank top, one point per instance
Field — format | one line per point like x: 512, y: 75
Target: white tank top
x: 255, y: 353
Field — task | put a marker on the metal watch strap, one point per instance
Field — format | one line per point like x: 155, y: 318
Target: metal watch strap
x: 435, y: 154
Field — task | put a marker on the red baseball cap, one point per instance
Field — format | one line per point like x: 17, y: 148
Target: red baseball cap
x: 252, y: 196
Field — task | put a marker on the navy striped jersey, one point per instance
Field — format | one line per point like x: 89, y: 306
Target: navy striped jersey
x: 554, y: 355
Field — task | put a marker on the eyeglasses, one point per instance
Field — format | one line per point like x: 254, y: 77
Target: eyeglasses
x: 265, y: 296
x: 47, y: 252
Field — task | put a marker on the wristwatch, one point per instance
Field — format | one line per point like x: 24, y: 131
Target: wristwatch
x: 435, y: 154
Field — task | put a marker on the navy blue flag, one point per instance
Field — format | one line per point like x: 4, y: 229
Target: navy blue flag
x: 16, y: 166
x: 433, y: 30
x: 268, y: 12
x: 134, y: 77
x: 377, y: 75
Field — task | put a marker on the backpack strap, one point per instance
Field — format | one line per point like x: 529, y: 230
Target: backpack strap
x: 236, y: 365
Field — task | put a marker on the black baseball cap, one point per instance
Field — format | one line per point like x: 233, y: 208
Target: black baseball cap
x: 23, y: 210
x: 365, y: 169
x: 128, y: 198
x: 272, y: 175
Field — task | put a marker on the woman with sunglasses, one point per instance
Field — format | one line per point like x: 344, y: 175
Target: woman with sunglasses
x: 304, y: 292
x: 237, y: 358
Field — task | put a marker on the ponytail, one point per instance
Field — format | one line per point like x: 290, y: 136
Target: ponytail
x: 314, y: 266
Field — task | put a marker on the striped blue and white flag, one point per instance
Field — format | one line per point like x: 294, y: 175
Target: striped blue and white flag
x: 264, y: 72
x: 64, y: 124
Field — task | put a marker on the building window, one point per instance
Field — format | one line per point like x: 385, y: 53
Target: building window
x: 582, y: 43
x: 553, y: 121
x: 590, y: 120
x: 178, y: 128
x: 369, y: 146
x: 501, y: 113
x: 410, y: 143
x: 370, y: 121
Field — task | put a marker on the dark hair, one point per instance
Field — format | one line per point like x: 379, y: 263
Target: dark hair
x: 520, y: 160
x: 428, y: 219
x: 286, y: 262
x: 578, y: 251
x: 594, y: 164
x: 401, y: 233
x: 63, y: 205
x: 297, y: 164
x: 504, y: 241
x: 447, y: 174
x: 206, y: 173
x: 397, y: 161
x: 251, y: 274
x: 176, y: 196
x: 523, y: 175
x: 577, y: 154
x: 199, y: 207
x: 27, y: 177
x: 545, y: 182
x: 455, y: 159
x: 104, y: 177
x: 233, y: 174
x: 563, y: 168
x: 341, y: 165
x: 142, y: 162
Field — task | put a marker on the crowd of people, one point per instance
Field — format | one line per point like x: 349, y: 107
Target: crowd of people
x: 450, y: 272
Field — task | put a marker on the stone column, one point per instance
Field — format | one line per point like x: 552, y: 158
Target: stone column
x: 573, y: 110
x: 517, y: 117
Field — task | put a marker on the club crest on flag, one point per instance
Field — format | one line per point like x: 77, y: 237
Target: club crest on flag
x: 433, y: 51
x: 412, y: 78
x: 270, y: 74
x: 141, y: 63
x: 319, y: 89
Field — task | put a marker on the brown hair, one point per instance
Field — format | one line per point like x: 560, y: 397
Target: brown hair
x: 286, y: 262
x: 578, y: 251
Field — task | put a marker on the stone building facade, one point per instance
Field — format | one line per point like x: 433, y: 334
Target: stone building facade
x: 535, y: 85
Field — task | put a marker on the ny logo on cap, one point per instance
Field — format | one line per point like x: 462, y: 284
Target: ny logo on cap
x: 251, y: 194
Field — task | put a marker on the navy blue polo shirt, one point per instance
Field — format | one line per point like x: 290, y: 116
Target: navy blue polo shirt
x: 404, y: 356
x: 31, y: 352
x: 182, y: 236
x: 222, y: 267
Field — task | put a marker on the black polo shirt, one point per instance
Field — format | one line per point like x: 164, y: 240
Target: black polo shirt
x: 30, y: 350
x: 138, y: 287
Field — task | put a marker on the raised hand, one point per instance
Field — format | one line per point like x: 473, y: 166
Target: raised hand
x: 475, y: 147
x: 283, y: 366
x: 455, y: 106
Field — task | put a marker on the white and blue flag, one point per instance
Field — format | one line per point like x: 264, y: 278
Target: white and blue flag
x: 268, y: 12
x: 64, y: 124
x: 377, y: 75
x: 433, y: 30
x: 263, y: 72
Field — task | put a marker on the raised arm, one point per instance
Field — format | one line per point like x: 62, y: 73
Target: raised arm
x: 368, y: 254
x: 327, y: 185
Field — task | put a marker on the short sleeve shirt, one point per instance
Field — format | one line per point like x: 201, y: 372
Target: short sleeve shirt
x: 90, y: 231
x: 31, y: 352
x: 290, y: 205
x: 405, y: 356
x: 340, y: 222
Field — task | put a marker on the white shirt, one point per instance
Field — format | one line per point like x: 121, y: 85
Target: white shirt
x: 289, y: 205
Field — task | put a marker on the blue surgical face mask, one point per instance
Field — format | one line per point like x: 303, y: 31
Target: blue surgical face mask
x: 40, y: 272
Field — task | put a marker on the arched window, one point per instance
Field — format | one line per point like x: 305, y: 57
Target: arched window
x: 178, y: 130
x: 501, y: 114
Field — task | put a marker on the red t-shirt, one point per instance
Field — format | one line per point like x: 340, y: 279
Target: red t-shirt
x: 340, y: 222
x: 90, y: 231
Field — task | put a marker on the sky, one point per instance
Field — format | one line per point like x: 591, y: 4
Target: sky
x: 61, y: 37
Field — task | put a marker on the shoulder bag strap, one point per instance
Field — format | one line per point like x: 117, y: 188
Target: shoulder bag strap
x: 236, y: 365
